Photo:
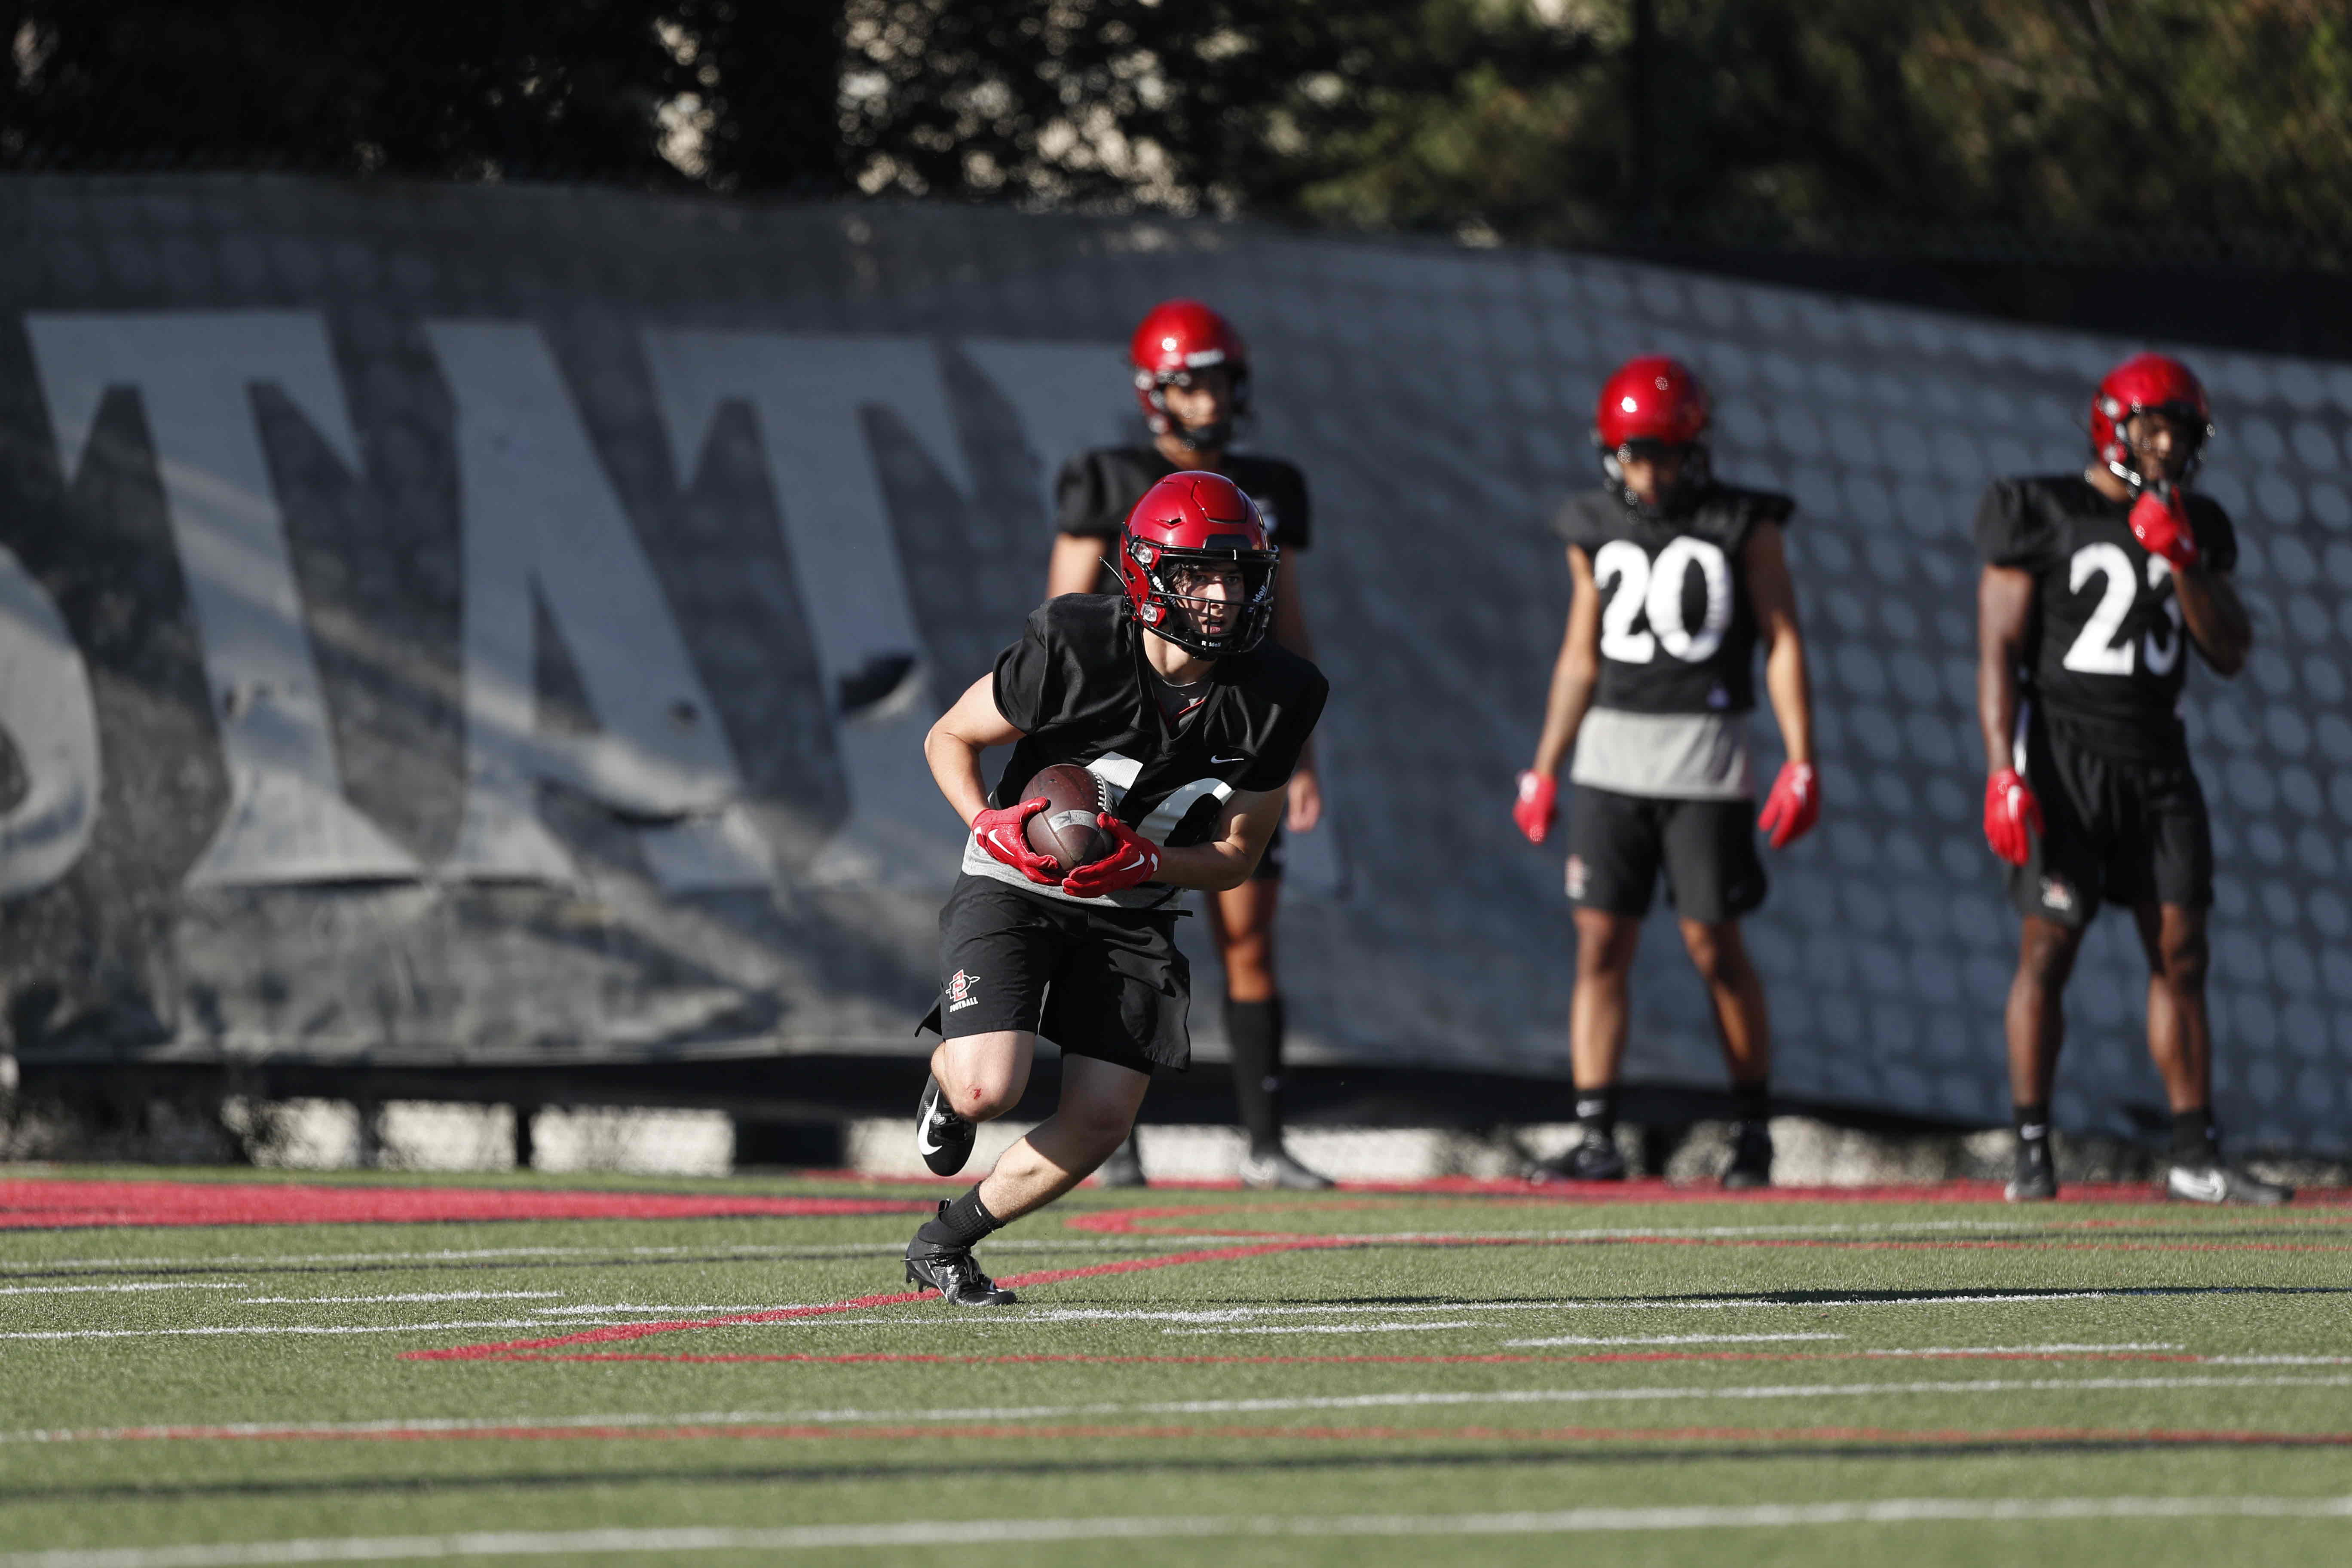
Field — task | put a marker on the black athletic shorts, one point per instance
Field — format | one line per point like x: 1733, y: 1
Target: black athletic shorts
x: 1097, y: 983
x: 2113, y: 831
x: 1618, y: 843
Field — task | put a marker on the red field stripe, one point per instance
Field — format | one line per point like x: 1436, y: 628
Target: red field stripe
x: 623, y: 1331
x: 999, y: 1431
x: 1495, y: 1359
x: 42, y: 1204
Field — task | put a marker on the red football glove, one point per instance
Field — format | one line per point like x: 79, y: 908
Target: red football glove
x: 1793, y: 806
x: 2159, y: 521
x: 1537, y: 806
x: 1005, y: 834
x: 1134, y: 859
x: 2010, y: 814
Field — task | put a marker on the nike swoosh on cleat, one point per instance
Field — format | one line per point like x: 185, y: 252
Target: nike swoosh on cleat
x: 924, y: 1142
x: 2207, y: 1187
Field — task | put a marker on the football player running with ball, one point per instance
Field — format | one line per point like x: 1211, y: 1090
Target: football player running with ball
x: 1191, y: 380
x: 1192, y: 720
x: 2095, y: 587
x: 1677, y: 578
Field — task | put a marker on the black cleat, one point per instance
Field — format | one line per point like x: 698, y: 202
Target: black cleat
x: 2036, y: 1178
x: 1751, y: 1157
x: 1592, y: 1158
x: 954, y: 1273
x: 1123, y: 1169
x: 942, y: 1137
x: 2211, y: 1182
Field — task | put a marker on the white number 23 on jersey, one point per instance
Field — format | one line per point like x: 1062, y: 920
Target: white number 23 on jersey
x: 1654, y: 593
x: 2096, y: 650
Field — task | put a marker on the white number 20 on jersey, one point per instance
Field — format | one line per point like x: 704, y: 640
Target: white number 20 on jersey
x: 1656, y: 593
x: 2096, y: 650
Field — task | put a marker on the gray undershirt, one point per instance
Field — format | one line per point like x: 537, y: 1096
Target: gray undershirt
x: 1673, y: 756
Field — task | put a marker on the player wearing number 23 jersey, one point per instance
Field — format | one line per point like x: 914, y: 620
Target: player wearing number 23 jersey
x: 2096, y: 588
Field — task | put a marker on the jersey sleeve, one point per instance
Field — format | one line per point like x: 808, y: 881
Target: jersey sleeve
x: 2011, y: 531
x: 1575, y: 524
x: 1278, y: 759
x: 1029, y: 687
x: 1287, y: 490
x: 1082, y: 500
x: 2216, y: 536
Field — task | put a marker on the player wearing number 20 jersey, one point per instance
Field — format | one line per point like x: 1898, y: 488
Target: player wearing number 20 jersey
x: 1677, y: 578
x: 2095, y: 588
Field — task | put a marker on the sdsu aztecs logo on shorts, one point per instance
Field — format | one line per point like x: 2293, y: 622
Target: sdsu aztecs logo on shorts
x: 960, y: 994
x: 1576, y: 875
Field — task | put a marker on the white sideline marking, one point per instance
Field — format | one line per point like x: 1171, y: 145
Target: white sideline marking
x: 662, y: 1310
x: 2027, y: 1350
x: 1662, y: 1339
x: 2279, y: 1359
x: 1017, y: 1316
x: 422, y: 1296
x: 159, y: 1285
x: 1326, y: 1328
x: 958, y: 1531
x: 280, y: 1329
x: 932, y: 1414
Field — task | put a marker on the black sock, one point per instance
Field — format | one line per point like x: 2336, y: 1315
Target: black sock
x: 1752, y: 1100
x: 960, y: 1223
x: 2194, y: 1140
x: 1596, y: 1111
x: 1255, y: 1030
x: 2032, y: 1122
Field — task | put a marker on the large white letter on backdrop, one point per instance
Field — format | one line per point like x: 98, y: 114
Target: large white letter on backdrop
x: 194, y: 372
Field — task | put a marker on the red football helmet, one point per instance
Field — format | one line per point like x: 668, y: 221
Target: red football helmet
x: 2156, y: 384
x: 1651, y: 401
x: 1178, y: 337
x: 1191, y: 531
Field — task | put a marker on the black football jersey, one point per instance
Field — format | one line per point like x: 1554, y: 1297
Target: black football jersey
x: 1677, y: 632
x: 1077, y: 687
x: 2104, y: 650
x: 1096, y: 489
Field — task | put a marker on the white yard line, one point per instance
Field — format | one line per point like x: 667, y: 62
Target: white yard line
x: 268, y: 1329
x: 1326, y: 1328
x: 1663, y: 1339
x: 657, y: 1311
x: 1019, y: 1316
x: 935, y: 1415
x: 110, y: 1290
x: 956, y: 1533
x: 419, y: 1296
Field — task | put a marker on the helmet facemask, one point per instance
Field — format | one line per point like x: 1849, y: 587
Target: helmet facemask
x: 1692, y: 477
x: 1211, y: 437
x: 1213, y: 602
x: 2122, y: 455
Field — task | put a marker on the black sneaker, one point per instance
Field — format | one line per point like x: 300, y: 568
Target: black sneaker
x: 942, y: 1137
x: 1123, y: 1169
x: 2211, y: 1182
x: 1278, y: 1169
x: 954, y: 1273
x: 1592, y: 1158
x: 2036, y: 1178
x: 1751, y: 1157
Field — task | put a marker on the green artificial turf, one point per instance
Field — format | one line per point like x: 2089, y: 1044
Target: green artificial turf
x: 1714, y: 1354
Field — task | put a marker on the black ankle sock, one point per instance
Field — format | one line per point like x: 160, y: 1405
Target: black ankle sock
x: 2032, y: 1120
x: 2193, y: 1135
x: 1255, y: 1030
x: 1596, y: 1111
x: 960, y: 1222
x: 1752, y: 1100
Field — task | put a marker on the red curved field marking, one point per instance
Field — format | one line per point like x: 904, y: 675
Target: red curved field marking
x: 1001, y: 1431
x: 63, y: 1203
x: 855, y: 1358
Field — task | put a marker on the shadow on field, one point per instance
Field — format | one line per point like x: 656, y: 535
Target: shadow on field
x: 1239, y: 1464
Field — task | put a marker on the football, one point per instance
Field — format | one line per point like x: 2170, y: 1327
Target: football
x: 1066, y: 828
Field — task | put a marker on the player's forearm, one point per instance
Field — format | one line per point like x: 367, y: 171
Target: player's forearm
x: 955, y: 767
x: 2216, y: 619
x: 1572, y: 684
x: 1213, y: 867
x: 1997, y: 704
x: 1791, y: 690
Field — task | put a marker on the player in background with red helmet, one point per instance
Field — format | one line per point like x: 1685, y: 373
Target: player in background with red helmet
x: 1192, y: 384
x: 2091, y: 582
x: 1192, y: 720
x: 1677, y: 578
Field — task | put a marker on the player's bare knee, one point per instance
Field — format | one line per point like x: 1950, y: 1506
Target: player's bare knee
x: 2182, y: 960
x: 2046, y: 955
x: 1717, y: 953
